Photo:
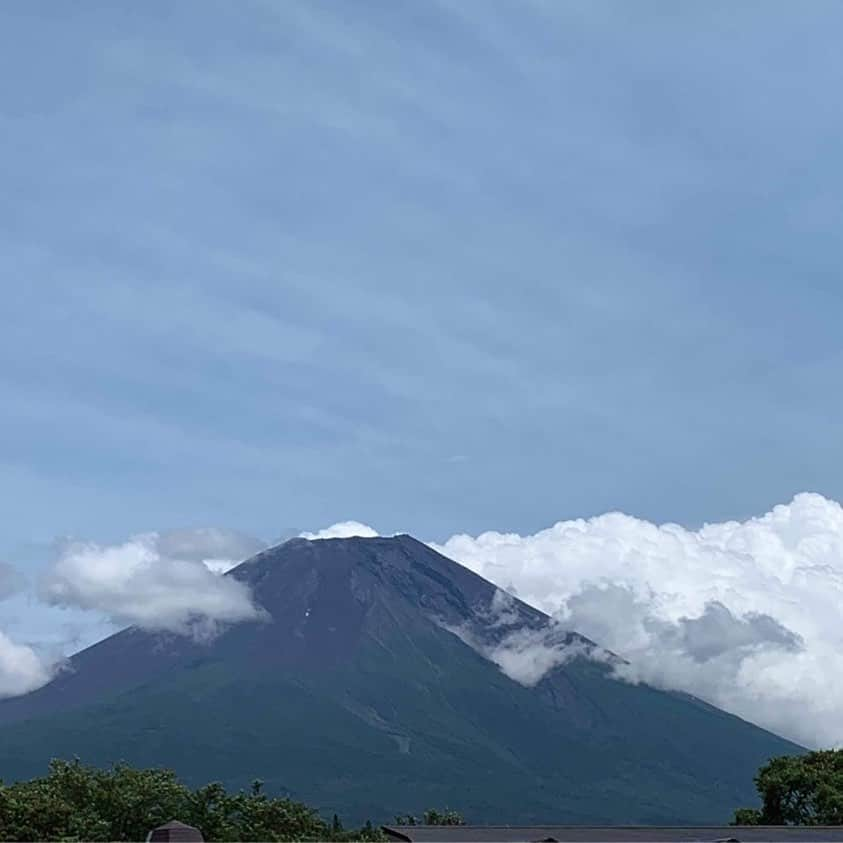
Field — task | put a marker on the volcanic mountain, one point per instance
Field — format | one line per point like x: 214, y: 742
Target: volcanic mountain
x: 367, y: 689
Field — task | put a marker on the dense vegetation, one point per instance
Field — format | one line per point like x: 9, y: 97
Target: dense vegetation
x: 798, y: 790
x: 446, y: 817
x: 75, y: 802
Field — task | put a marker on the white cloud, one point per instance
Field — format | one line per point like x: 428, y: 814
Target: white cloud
x: 343, y: 530
x: 525, y: 654
x: 744, y: 614
x: 139, y: 582
x: 21, y: 668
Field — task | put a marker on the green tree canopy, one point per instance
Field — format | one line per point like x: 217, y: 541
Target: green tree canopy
x: 798, y: 790
x: 76, y: 802
x: 432, y: 817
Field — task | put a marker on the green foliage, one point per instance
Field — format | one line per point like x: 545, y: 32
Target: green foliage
x: 74, y: 802
x: 798, y: 790
x: 432, y: 817
x: 747, y: 816
x: 446, y: 817
x: 367, y: 833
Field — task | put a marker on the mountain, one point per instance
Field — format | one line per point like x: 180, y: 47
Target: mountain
x: 367, y: 690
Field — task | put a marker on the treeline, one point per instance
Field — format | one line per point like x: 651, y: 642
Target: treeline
x: 74, y: 802
x: 446, y: 817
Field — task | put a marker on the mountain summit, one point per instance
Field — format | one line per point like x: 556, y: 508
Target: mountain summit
x: 371, y: 686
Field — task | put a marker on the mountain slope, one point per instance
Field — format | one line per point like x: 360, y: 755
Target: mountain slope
x: 354, y: 696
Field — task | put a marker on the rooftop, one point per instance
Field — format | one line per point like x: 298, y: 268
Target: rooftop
x: 611, y: 834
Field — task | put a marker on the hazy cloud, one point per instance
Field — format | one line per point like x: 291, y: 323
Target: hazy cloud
x: 522, y: 653
x: 527, y: 655
x: 218, y: 549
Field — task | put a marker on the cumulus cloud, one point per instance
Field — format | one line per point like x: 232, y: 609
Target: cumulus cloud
x: 167, y: 581
x: 745, y: 614
x: 343, y: 530
x: 21, y: 668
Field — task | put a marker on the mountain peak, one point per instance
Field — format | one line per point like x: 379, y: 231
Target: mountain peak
x: 374, y: 685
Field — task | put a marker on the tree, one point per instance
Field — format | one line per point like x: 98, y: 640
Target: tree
x: 446, y: 817
x: 798, y: 790
x: 83, y: 803
x: 75, y: 802
x: 432, y: 817
x: 747, y: 816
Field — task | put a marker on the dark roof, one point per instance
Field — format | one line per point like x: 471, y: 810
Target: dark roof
x: 611, y: 834
x: 175, y: 831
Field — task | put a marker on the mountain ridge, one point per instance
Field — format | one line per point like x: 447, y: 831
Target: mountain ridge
x: 352, y: 694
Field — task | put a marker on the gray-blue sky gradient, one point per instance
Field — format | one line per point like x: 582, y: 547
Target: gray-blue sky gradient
x: 435, y: 266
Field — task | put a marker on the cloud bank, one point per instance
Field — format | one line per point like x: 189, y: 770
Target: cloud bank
x: 747, y: 615
x: 156, y: 581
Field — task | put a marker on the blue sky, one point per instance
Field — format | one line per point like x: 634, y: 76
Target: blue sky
x: 439, y: 267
